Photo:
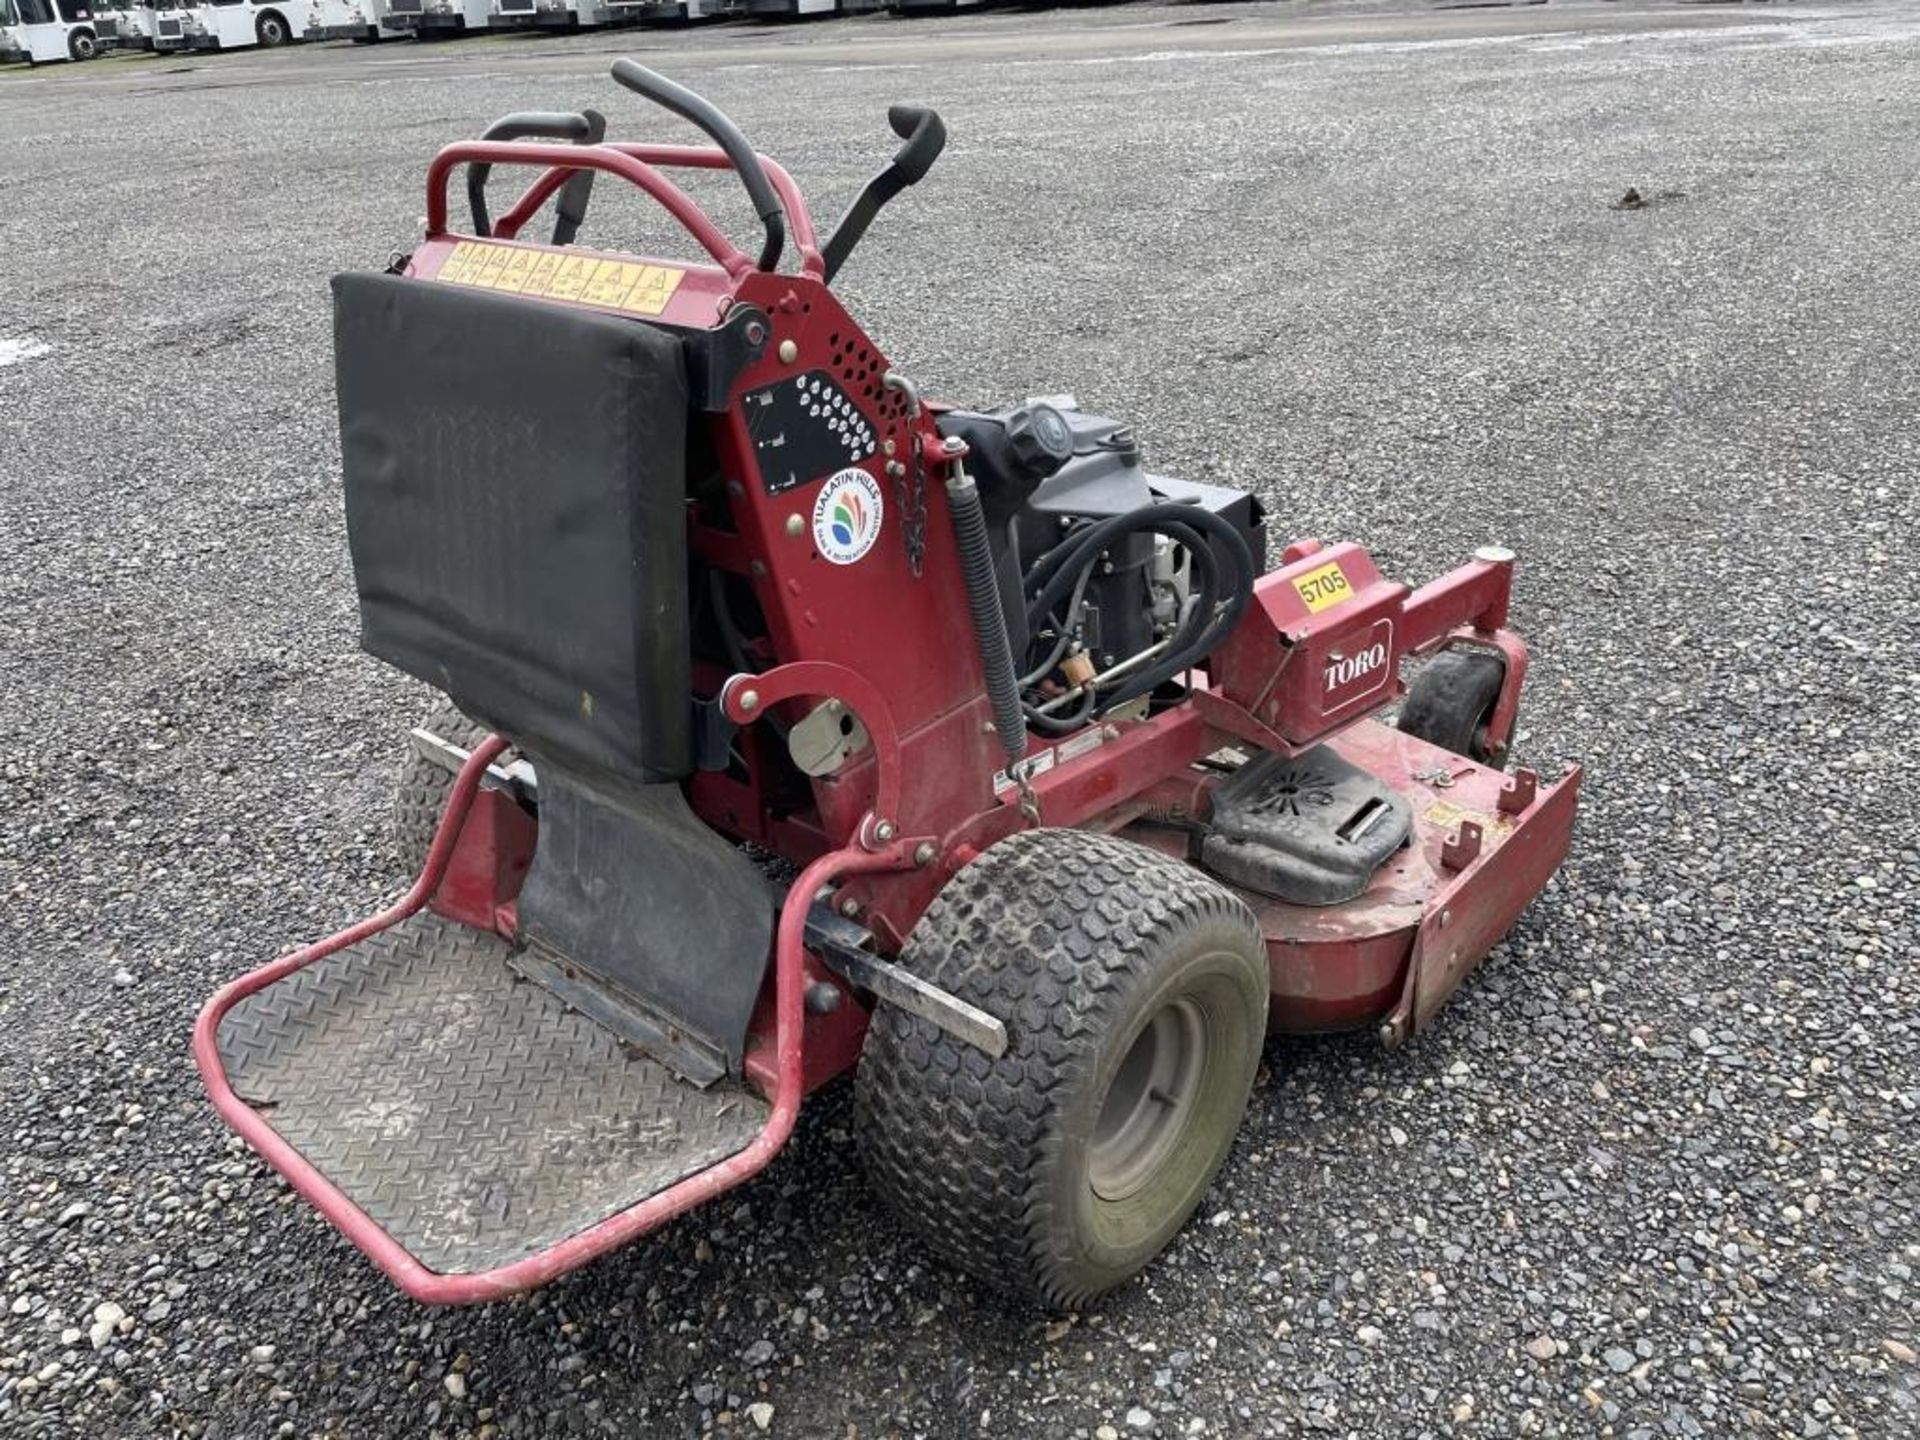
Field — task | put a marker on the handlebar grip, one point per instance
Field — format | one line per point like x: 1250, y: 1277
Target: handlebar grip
x: 587, y: 129
x: 701, y: 112
x: 926, y: 136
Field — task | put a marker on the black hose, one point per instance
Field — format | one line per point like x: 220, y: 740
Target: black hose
x: 1054, y: 573
x: 1069, y: 722
x: 1220, y: 599
x: 989, y: 620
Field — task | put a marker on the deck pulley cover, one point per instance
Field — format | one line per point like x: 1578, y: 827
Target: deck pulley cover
x: 1310, y: 829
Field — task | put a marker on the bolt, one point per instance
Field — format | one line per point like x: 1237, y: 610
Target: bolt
x: 884, y: 831
x: 822, y: 998
x: 750, y: 700
x: 849, y: 907
x: 795, y: 525
x: 953, y: 445
x: 895, y: 469
x: 756, y: 333
x: 789, y: 352
x: 887, y: 448
x: 924, y: 852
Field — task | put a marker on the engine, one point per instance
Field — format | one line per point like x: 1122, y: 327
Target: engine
x: 1114, y: 581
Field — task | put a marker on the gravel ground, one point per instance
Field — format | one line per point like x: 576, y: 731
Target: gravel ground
x: 1653, y: 1173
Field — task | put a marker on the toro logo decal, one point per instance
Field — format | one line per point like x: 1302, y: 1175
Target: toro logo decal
x: 846, y: 517
x: 1357, y: 666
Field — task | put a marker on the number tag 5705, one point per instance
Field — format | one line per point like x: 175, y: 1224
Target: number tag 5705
x: 1323, y: 587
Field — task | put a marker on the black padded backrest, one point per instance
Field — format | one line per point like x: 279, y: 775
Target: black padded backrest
x: 515, y: 488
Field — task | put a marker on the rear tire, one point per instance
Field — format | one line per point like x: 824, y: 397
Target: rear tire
x: 1134, y: 991
x: 1452, y: 699
x: 82, y: 45
x: 421, y: 795
x: 271, y: 31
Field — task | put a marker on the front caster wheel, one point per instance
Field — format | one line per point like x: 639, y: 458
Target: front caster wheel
x: 1134, y: 992
x: 1451, y: 700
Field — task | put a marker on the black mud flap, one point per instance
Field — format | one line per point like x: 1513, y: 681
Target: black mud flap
x: 639, y: 915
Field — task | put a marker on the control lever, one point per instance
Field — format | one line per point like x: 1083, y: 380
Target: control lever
x: 589, y: 127
x: 926, y: 137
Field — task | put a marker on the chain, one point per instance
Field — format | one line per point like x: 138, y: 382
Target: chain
x: 913, y: 506
x: 913, y: 496
x: 1029, y: 802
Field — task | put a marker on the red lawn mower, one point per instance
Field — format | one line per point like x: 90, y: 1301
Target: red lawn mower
x: 803, y: 725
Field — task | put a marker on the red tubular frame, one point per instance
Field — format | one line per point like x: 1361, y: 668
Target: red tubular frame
x: 428, y: 1286
x: 638, y: 164
x: 567, y: 158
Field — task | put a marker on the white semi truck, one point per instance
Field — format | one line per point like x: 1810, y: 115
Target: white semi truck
x: 667, y: 12
x: 774, y: 8
x: 236, y: 24
x: 122, y: 25
x: 363, y: 21
x: 433, y: 19
x: 558, y: 14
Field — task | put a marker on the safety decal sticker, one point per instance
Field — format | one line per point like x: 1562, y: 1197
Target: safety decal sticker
x: 1323, y: 586
x: 846, y: 516
x: 625, y: 285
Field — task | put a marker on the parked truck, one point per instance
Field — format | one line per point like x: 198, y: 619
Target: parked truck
x: 40, y: 31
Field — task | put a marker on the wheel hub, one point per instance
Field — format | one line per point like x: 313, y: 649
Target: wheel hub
x: 1149, y: 1100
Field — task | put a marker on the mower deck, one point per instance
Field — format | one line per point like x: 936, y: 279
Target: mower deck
x: 472, y: 1115
x: 1483, y: 843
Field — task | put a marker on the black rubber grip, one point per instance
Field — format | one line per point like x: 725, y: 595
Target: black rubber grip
x: 926, y: 136
x: 522, y: 125
x: 700, y: 111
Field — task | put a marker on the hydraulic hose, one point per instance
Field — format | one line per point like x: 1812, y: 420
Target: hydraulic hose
x: 1221, y: 598
x: 989, y: 620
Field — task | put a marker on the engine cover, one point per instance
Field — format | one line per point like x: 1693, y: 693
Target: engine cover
x: 1032, y: 499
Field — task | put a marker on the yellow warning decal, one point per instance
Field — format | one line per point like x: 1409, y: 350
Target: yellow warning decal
x: 629, y: 285
x: 1324, y: 586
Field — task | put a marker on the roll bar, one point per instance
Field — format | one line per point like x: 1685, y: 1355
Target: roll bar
x: 581, y: 151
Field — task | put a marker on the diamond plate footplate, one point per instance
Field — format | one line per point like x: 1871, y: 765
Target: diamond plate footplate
x: 469, y: 1112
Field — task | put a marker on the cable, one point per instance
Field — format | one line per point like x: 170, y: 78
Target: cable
x: 1215, y: 600
x: 1065, y: 628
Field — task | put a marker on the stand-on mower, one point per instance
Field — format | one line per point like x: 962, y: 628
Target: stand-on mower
x: 804, y: 725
